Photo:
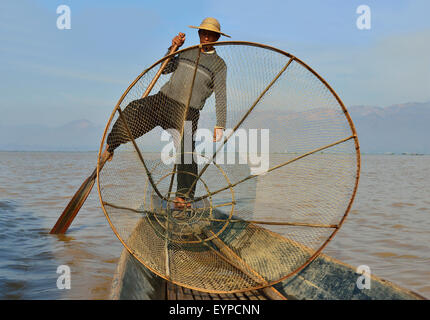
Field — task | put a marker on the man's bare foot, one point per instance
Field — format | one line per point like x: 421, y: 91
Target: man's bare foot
x: 179, y: 203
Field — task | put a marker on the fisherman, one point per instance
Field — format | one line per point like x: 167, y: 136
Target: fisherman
x: 167, y: 107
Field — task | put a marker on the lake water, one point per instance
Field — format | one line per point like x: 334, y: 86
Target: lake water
x: 387, y: 228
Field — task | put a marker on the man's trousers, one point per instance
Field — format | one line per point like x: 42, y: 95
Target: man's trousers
x: 145, y: 114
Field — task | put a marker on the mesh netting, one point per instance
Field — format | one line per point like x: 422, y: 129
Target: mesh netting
x: 260, y: 203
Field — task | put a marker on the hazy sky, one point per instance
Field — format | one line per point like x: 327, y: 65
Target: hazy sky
x: 51, y: 76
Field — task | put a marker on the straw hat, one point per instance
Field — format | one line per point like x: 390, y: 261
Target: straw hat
x: 210, y: 24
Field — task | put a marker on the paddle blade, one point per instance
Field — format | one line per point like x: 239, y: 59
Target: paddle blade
x: 75, y: 204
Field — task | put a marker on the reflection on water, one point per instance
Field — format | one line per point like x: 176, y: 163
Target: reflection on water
x: 387, y: 227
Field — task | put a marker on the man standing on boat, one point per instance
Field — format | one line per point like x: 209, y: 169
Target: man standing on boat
x: 167, y: 107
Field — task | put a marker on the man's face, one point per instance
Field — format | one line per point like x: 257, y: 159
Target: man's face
x: 207, y: 36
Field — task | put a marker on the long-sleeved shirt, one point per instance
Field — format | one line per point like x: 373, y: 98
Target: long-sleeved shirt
x: 210, y: 77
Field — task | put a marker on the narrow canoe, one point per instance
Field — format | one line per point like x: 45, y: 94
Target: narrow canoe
x: 325, y: 278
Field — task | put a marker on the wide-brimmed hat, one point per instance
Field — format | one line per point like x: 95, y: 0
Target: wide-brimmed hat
x: 210, y: 24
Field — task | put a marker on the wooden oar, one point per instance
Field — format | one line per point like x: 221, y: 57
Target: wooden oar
x: 75, y: 204
x: 72, y: 209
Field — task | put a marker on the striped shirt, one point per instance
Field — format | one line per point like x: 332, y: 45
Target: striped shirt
x: 210, y: 77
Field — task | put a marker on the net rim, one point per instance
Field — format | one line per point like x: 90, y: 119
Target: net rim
x: 325, y: 243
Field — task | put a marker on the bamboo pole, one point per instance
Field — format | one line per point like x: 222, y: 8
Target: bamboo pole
x: 184, y: 118
x: 277, y: 166
x: 242, y: 120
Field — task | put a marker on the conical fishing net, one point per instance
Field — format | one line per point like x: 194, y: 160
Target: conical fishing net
x: 260, y: 203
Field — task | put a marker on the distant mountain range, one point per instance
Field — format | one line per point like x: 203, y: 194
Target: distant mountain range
x: 79, y: 135
x: 402, y: 128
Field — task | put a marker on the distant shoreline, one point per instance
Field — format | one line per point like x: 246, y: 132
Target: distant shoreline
x: 96, y: 151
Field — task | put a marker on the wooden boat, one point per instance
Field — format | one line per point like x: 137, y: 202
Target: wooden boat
x: 324, y: 278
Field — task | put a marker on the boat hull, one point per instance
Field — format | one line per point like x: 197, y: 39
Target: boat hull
x: 324, y: 278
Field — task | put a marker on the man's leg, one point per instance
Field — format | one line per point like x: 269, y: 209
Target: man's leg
x: 141, y: 116
x: 187, y: 172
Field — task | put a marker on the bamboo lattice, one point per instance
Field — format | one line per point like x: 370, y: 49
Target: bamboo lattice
x: 246, y: 228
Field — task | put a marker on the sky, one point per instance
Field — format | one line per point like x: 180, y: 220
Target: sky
x: 51, y: 76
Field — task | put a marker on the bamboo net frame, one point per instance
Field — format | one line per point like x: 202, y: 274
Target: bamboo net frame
x: 213, y: 242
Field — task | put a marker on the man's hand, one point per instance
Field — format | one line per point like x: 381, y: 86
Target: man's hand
x: 179, y: 39
x: 218, y: 132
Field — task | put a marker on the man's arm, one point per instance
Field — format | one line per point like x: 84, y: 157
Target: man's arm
x: 173, y: 63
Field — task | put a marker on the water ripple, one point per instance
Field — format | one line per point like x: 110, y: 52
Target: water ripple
x: 387, y: 228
